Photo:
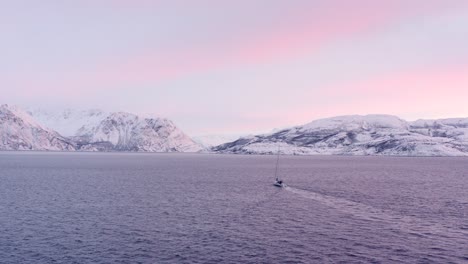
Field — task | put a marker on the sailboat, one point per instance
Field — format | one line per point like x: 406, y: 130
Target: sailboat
x: 278, y: 182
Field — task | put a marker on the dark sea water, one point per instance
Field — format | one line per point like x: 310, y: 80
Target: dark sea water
x: 195, y: 208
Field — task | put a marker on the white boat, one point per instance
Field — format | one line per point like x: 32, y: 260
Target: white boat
x: 278, y: 182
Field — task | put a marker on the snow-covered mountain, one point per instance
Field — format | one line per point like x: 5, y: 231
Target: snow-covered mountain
x: 361, y: 135
x: 129, y: 132
x: 96, y: 130
x: 67, y: 122
x: 19, y: 131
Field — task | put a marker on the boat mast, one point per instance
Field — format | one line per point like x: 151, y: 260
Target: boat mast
x: 277, y: 163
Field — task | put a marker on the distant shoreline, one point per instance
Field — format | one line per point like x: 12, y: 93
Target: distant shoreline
x: 210, y: 153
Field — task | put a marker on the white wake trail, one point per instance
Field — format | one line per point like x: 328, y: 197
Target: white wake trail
x: 406, y: 223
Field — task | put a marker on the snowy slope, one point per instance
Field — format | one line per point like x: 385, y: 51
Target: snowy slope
x: 361, y: 135
x: 68, y: 121
x: 453, y: 127
x: 97, y: 130
x: 129, y: 132
x: 19, y: 131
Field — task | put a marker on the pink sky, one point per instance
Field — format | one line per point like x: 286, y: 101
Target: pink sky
x: 226, y: 67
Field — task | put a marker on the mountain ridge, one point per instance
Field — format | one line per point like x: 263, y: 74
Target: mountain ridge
x: 90, y: 130
x: 97, y: 130
x: 361, y: 135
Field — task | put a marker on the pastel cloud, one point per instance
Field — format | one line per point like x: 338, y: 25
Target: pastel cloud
x: 305, y: 31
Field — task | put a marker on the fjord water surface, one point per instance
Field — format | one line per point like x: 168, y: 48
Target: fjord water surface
x: 197, y: 208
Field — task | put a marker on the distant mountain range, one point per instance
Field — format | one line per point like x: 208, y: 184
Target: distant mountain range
x: 89, y: 130
x: 361, y: 135
x: 96, y: 130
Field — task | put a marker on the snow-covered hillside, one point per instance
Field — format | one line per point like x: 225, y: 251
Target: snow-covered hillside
x: 93, y: 130
x: 67, y: 122
x: 129, y: 132
x: 19, y: 131
x: 361, y: 135
x: 456, y: 128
